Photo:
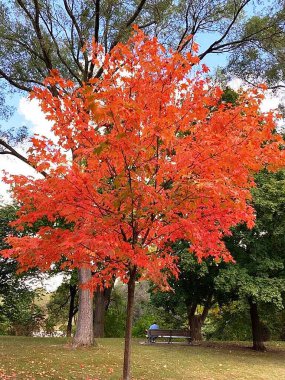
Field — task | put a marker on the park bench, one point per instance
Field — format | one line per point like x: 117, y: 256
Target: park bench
x: 168, y: 334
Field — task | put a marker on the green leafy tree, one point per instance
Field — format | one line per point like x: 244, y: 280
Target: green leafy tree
x: 19, y: 313
x: 193, y: 292
x: 63, y: 305
x: 258, y: 277
x: 116, y: 314
x: 52, y: 34
x: 7, y: 266
x: 262, y: 58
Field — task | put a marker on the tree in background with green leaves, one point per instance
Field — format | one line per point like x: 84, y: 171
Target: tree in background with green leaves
x: 262, y: 58
x: 193, y: 292
x: 258, y: 277
x: 52, y: 34
x: 19, y: 312
x: 63, y: 305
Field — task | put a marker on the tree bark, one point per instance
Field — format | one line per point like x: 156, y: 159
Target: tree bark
x: 72, y: 293
x: 99, y: 313
x: 84, y: 327
x: 196, y: 321
x: 195, y: 324
x: 257, y: 338
x: 101, y: 304
x: 129, y: 322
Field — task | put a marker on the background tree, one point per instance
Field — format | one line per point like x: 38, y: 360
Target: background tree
x: 63, y: 305
x: 262, y: 58
x: 8, y: 266
x: 194, y: 291
x: 52, y: 35
x: 19, y: 313
x: 258, y: 276
x: 102, y: 298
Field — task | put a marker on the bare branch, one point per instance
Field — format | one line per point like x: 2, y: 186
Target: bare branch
x: 80, y: 36
x: 186, y: 27
x: 96, y: 32
x: 217, y: 42
x: 14, y: 82
x: 10, y: 150
x: 49, y: 29
x: 128, y: 23
x: 36, y: 25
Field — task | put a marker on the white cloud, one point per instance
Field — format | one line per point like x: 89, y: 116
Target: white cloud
x: 235, y: 84
x: 12, y: 165
x: 49, y: 282
x: 35, y: 120
x: 32, y: 113
x: 271, y: 101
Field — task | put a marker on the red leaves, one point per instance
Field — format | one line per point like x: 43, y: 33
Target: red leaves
x: 156, y: 157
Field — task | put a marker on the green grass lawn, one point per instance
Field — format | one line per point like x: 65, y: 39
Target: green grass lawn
x: 52, y: 358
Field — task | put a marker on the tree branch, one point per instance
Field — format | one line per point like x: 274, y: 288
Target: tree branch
x: 128, y: 23
x: 36, y: 25
x: 49, y: 29
x: 13, y: 82
x: 80, y: 36
x: 215, y: 43
x: 13, y: 152
x: 96, y: 32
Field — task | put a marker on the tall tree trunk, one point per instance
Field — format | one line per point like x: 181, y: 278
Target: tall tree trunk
x: 84, y: 327
x: 257, y: 338
x: 195, y: 324
x: 99, y: 313
x: 129, y: 322
x: 72, y: 294
x: 101, y: 304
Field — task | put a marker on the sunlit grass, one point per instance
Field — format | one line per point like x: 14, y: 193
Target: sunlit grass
x: 53, y: 358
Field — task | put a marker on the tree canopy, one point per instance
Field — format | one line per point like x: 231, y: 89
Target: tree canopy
x: 50, y: 34
x: 145, y: 150
x: 262, y: 58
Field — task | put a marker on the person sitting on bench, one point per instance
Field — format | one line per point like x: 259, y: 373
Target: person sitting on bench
x: 154, y: 326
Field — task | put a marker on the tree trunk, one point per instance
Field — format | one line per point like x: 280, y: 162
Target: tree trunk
x: 195, y: 324
x: 196, y: 321
x: 257, y: 338
x: 72, y: 294
x: 99, y: 313
x: 129, y: 322
x: 84, y: 327
x: 101, y: 304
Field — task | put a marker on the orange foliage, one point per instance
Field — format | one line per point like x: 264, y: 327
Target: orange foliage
x: 156, y: 157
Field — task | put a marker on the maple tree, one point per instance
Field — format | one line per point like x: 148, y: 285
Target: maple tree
x: 156, y: 156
